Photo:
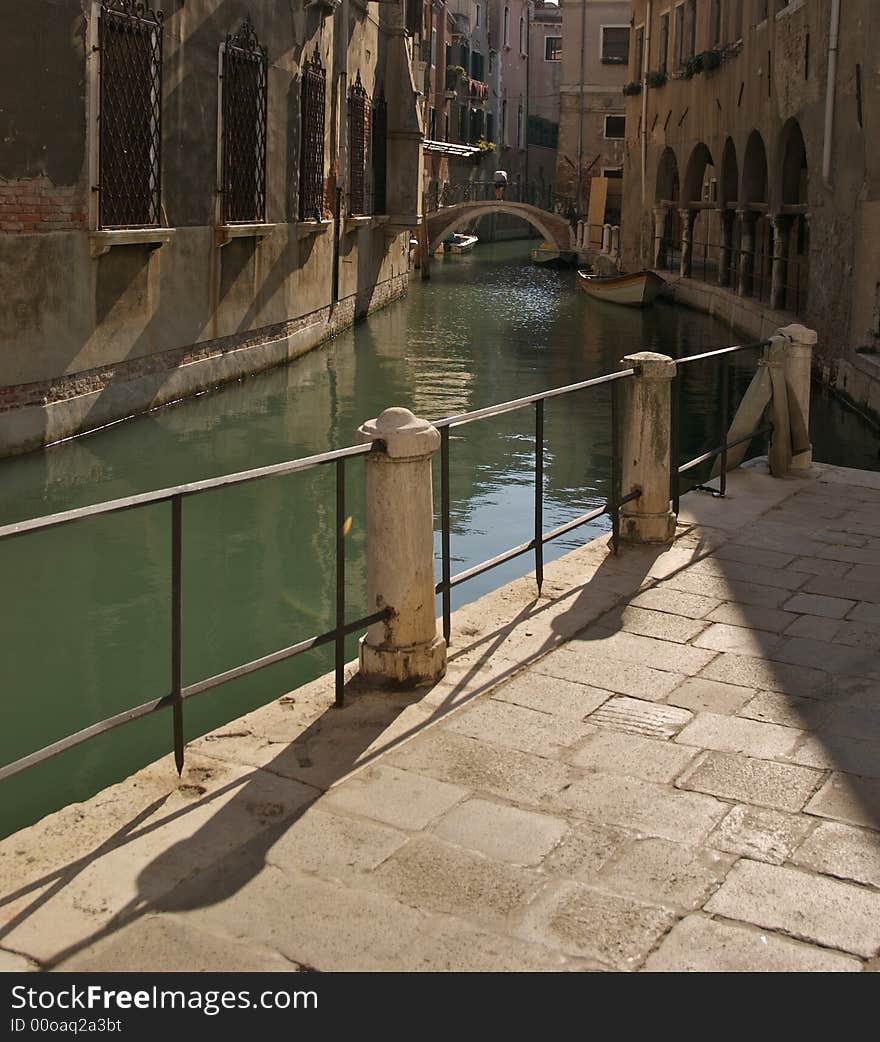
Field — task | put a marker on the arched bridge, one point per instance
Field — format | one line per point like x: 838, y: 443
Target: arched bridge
x: 450, y: 208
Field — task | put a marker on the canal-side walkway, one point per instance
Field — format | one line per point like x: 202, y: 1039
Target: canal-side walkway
x: 671, y: 761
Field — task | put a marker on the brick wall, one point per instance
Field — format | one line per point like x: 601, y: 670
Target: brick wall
x: 36, y: 205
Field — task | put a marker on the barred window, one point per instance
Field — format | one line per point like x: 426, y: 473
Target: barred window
x: 380, y: 154
x: 358, y: 145
x: 243, y: 140
x: 130, y: 115
x: 311, y: 168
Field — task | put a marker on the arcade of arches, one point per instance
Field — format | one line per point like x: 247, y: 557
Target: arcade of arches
x: 737, y: 222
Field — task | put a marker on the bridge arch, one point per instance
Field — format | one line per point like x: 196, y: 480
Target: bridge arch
x: 442, y: 223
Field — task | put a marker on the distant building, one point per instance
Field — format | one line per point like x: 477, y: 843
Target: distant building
x: 753, y: 166
x: 595, y: 56
x: 545, y: 79
x: 189, y: 197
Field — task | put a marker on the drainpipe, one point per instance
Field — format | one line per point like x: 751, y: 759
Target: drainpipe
x: 833, y: 33
x: 645, y: 58
x: 581, y: 111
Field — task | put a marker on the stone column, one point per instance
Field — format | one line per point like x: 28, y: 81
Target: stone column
x: 747, y: 252
x: 688, y: 217
x: 646, y: 422
x: 606, y: 238
x: 724, y: 261
x: 405, y: 649
x: 798, y: 373
x: 615, y: 240
x: 580, y: 235
x: 779, y: 272
x: 660, y: 255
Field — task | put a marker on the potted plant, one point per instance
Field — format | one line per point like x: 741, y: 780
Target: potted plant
x: 454, y: 73
x: 635, y: 87
x: 656, y: 79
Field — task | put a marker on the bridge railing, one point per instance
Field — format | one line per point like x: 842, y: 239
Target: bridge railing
x: 439, y: 194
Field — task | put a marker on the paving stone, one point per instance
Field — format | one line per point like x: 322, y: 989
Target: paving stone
x: 848, y: 798
x: 515, y: 727
x: 866, y: 573
x: 661, y: 872
x: 428, y: 874
x: 700, y: 945
x: 846, y: 588
x: 752, y: 555
x: 723, y: 590
x: 552, y: 695
x: 630, y: 647
x: 772, y: 676
x: 813, y: 908
x: 737, y: 639
x: 839, y: 753
x: 699, y: 695
x: 402, y: 798
x: 842, y: 851
x: 525, y: 779
x: 648, y: 623
x: 747, y: 780
x: 614, y: 752
x: 787, y: 710
x: 333, y: 846
x: 855, y: 721
x: 584, y: 850
x: 636, y: 716
x: 760, y: 833
x: 676, y: 602
x: 501, y: 832
x: 814, y: 604
x: 772, y: 620
x: 684, y: 817
x: 814, y: 627
x: 575, y: 918
x: 750, y: 572
x: 835, y: 658
x: 819, y: 566
x: 734, y: 734
x: 865, y: 612
x: 10, y: 962
x: 858, y: 635
x: 608, y: 674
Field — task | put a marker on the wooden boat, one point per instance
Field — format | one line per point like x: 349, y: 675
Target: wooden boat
x: 549, y: 255
x: 460, y: 243
x: 636, y: 290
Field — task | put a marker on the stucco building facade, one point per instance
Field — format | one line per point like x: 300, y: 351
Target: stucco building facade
x: 191, y: 195
x: 752, y: 164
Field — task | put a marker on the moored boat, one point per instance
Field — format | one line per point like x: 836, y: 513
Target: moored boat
x: 637, y: 289
x: 550, y: 256
x: 460, y: 243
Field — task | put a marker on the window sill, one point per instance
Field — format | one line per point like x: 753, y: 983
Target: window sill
x: 357, y: 221
x: 794, y: 5
x: 225, y: 233
x: 305, y: 229
x: 103, y: 240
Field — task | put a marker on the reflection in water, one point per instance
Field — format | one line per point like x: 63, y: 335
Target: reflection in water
x: 86, y: 617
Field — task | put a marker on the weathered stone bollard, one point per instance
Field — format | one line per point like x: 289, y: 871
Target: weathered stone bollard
x: 798, y: 370
x: 404, y: 650
x: 646, y: 421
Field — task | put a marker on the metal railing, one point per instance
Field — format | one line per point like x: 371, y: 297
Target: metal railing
x: 179, y: 692
x: 543, y: 196
x: 611, y: 507
x: 721, y: 450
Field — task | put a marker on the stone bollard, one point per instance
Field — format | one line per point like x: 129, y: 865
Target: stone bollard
x: 646, y: 422
x: 405, y: 649
x: 606, y: 238
x: 798, y: 371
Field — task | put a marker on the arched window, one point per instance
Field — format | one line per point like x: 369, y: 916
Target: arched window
x: 506, y: 27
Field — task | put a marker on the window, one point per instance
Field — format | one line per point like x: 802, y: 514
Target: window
x: 506, y: 26
x: 504, y: 123
x: 433, y: 48
x: 715, y: 24
x: 762, y: 11
x: 640, y: 53
x: 478, y: 66
x: 519, y: 126
x: 615, y: 127
x: 243, y: 114
x: 311, y: 168
x: 614, y: 172
x: 552, y: 48
x: 478, y: 19
x: 663, y: 54
x: 679, y: 36
x: 737, y: 27
x: 130, y: 121
x: 380, y: 153
x: 522, y: 36
x: 615, y: 44
x: 432, y: 123
x: 691, y: 29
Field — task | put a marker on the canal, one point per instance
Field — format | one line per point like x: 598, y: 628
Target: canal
x: 86, y: 608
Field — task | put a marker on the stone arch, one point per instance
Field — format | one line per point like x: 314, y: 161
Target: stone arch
x: 444, y: 222
x: 791, y: 168
x: 754, y: 173
x: 728, y: 185
x: 667, y: 189
x: 700, y: 160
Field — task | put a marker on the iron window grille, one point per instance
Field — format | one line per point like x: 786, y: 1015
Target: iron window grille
x: 358, y: 146
x: 244, y: 73
x: 380, y: 154
x: 311, y: 169
x: 130, y: 115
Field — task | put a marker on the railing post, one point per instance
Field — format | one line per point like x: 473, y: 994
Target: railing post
x: 404, y: 649
x: 646, y: 449
x: 798, y: 372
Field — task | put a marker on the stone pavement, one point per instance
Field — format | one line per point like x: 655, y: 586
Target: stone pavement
x: 669, y: 762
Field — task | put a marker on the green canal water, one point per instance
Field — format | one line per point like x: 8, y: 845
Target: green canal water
x: 86, y: 609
